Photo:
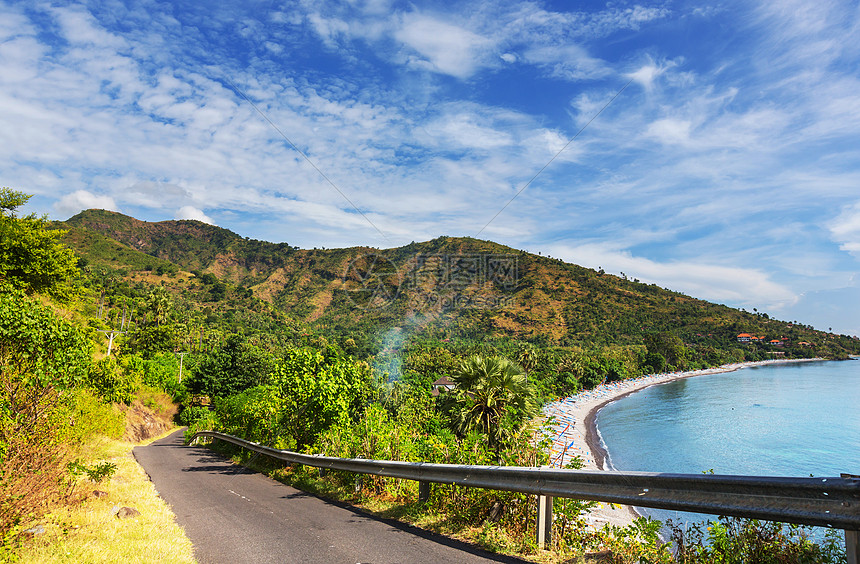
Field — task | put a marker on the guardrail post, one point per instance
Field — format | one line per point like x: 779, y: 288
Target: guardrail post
x: 852, y: 538
x: 423, y: 492
x: 852, y: 546
x: 544, y: 521
x: 357, y: 483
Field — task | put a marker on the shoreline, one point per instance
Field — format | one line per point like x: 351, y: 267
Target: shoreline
x: 576, y: 419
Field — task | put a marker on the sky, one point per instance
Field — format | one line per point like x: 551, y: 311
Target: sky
x: 712, y: 148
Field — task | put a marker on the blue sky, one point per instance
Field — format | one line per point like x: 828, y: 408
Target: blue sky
x: 728, y: 168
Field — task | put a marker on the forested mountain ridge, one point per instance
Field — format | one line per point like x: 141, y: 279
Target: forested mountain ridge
x: 535, y: 298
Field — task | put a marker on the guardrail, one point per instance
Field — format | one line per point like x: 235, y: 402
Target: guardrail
x: 825, y: 502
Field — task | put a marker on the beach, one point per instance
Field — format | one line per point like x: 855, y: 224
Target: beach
x: 573, y: 425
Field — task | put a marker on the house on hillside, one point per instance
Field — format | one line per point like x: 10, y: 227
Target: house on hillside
x: 775, y: 342
x: 441, y: 383
x: 744, y: 337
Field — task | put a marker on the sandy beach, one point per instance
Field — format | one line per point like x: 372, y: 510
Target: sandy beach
x: 574, y: 427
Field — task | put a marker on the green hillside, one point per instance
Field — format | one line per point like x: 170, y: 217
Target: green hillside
x: 442, y: 289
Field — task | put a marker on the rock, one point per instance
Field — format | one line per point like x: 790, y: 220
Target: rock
x: 99, y: 494
x: 495, y: 513
x: 127, y: 513
x: 602, y: 556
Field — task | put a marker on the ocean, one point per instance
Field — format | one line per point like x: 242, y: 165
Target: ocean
x: 793, y: 419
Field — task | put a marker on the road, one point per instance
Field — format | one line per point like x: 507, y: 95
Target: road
x: 232, y: 514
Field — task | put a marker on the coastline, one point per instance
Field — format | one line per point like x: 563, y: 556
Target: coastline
x: 575, y: 431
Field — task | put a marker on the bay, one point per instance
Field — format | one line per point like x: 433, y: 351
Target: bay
x: 792, y: 419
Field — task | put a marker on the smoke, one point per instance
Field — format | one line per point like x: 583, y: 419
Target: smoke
x: 388, y: 360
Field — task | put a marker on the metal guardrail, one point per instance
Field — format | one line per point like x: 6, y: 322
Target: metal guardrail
x: 825, y: 502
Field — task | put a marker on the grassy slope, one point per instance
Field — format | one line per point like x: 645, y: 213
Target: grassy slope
x: 89, y: 532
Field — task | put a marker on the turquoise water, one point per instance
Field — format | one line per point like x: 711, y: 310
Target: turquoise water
x: 777, y: 420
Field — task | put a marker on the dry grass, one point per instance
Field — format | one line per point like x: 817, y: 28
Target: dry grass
x: 90, y: 532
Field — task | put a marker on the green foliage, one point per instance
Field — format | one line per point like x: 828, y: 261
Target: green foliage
x: 96, y: 473
x: 256, y: 414
x: 31, y: 258
x: 193, y: 414
x: 159, y: 371
x: 492, y: 396
x: 319, y: 391
x: 111, y: 382
x: 231, y: 368
x: 159, y: 304
x: 733, y: 540
x: 152, y: 340
x: 669, y: 347
x: 36, y: 343
x: 87, y: 415
x: 638, y: 543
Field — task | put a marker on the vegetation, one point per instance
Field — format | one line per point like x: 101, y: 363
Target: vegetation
x: 30, y: 256
x: 492, y: 397
x: 87, y: 532
x: 267, y: 342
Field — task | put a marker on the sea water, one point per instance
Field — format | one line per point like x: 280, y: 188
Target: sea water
x: 792, y: 419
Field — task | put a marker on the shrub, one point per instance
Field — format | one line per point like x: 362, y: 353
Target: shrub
x: 112, y: 383
x: 36, y: 343
x: 33, y: 453
x: 192, y: 414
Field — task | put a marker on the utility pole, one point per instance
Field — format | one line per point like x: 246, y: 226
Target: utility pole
x: 181, y: 356
x: 111, y: 334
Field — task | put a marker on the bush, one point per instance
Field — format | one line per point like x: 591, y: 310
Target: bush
x: 88, y: 416
x: 112, y: 383
x: 36, y: 343
x: 33, y: 451
x: 732, y: 540
x: 192, y: 414
x: 160, y: 372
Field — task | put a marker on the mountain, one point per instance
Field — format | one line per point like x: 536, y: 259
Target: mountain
x: 446, y: 287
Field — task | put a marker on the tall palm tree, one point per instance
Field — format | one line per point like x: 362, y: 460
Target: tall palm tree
x: 159, y: 303
x: 493, y: 396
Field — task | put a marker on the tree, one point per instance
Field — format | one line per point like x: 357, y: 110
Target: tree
x: 492, y: 396
x: 159, y: 303
x: 150, y: 341
x: 670, y: 347
x: 31, y: 258
x: 232, y: 368
x: 317, y: 391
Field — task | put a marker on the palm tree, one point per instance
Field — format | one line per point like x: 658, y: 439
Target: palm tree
x: 492, y: 396
x: 159, y: 303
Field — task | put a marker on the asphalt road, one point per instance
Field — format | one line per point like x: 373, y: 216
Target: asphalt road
x: 234, y: 515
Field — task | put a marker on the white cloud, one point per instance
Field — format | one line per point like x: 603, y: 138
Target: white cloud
x: 443, y: 47
x: 845, y: 229
x: 670, y: 131
x: 698, y: 173
x: 80, y: 200
x: 718, y: 283
x: 190, y: 212
x: 570, y: 62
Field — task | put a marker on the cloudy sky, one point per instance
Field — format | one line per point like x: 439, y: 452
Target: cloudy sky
x: 726, y: 164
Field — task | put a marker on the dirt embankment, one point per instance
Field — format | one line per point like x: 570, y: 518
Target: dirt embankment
x: 148, y: 416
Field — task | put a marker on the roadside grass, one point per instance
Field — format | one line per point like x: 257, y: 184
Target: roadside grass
x: 90, y: 531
